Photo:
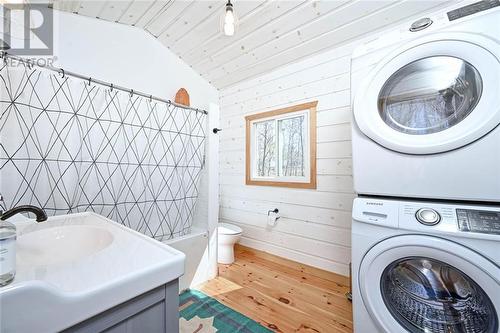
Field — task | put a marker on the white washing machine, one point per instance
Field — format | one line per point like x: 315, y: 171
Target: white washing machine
x: 425, y: 267
x: 426, y: 105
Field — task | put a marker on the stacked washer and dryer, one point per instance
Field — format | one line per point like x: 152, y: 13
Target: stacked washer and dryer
x: 426, y: 165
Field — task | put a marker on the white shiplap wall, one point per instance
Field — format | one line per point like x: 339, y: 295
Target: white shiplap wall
x: 315, y: 224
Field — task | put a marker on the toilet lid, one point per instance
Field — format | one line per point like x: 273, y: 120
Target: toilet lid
x: 229, y: 229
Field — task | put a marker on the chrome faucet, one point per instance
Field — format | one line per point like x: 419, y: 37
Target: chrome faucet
x: 39, y: 212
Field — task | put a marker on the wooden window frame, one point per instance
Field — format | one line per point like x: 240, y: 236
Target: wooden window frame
x: 311, y: 106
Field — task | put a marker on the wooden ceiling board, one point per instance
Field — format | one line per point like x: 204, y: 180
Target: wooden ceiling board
x: 299, y: 34
x: 194, y: 16
x: 156, y: 8
x: 375, y: 22
x: 270, y: 33
x: 67, y: 6
x: 135, y: 11
x: 265, y: 16
x: 311, y: 16
x: 199, y: 36
x: 216, y: 39
x: 91, y: 8
x: 114, y: 10
x: 172, y: 14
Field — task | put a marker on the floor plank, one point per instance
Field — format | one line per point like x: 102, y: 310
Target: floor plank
x: 283, y: 295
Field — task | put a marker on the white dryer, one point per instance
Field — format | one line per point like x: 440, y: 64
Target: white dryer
x: 426, y: 105
x: 425, y: 267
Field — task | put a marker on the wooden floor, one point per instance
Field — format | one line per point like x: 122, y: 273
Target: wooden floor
x: 283, y: 295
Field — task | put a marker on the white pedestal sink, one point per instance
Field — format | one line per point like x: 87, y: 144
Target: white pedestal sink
x: 73, y: 267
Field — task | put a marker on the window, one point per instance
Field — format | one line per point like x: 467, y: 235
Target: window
x: 281, y: 147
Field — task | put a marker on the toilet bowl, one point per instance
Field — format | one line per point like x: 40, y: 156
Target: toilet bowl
x: 228, y: 235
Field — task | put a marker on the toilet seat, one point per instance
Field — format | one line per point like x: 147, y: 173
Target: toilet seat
x: 228, y: 229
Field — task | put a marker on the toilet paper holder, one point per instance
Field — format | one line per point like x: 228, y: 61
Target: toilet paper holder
x: 272, y: 218
x: 275, y: 211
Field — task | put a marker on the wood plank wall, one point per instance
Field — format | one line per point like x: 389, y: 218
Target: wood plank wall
x: 315, y: 224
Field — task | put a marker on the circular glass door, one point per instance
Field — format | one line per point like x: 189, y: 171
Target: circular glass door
x: 430, y: 95
x: 427, y: 295
x: 433, y: 95
x: 427, y: 284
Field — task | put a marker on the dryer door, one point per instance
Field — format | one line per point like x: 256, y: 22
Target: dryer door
x: 426, y: 284
x: 434, y: 95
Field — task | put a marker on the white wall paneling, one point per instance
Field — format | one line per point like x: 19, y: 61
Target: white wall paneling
x: 315, y: 224
x: 272, y: 243
x: 314, y: 227
x: 326, y: 216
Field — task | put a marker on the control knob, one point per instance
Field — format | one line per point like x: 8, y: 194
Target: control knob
x: 428, y: 216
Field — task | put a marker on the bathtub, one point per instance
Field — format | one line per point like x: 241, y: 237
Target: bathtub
x: 195, y: 247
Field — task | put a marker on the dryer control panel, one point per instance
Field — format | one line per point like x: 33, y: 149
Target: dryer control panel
x: 483, y: 221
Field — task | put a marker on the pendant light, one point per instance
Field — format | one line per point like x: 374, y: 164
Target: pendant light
x: 229, y: 20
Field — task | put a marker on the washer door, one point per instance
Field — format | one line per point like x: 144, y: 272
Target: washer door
x: 425, y: 284
x: 436, y: 94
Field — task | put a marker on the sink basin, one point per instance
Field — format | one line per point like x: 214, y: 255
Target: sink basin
x: 61, y: 244
x: 80, y: 265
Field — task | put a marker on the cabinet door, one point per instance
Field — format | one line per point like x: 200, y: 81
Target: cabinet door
x: 156, y: 311
x: 150, y: 320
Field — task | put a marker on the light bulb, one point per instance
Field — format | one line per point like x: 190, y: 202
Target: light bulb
x: 229, y: 29
x: 229, y: 16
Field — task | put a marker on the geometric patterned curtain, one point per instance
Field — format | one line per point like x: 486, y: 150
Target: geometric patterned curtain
x: 69, y: 146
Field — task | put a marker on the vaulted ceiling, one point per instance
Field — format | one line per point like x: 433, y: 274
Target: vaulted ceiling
x: 270, y: 33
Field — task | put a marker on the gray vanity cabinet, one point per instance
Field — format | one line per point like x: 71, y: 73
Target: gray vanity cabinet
x: 156, y: 311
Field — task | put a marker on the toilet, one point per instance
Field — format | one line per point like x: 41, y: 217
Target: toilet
x: 228, y: 235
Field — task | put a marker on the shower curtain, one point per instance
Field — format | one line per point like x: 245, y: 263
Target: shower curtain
x: 70, y: 146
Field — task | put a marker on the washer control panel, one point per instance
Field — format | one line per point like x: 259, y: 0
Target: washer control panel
x: 482, y: 221
x: 469, y: 220
x: 428, y: 216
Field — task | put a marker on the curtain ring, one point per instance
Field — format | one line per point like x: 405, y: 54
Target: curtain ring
x: 131, y: 93
x: 150, y: 98
x: 63, y: 74
x: 90, y: 81
x: 111, y: 86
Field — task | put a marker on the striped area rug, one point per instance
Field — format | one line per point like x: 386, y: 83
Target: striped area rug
x: 200, y: 313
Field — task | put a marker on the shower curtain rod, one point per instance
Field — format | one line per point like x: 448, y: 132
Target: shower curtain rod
x: 29, y: 63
